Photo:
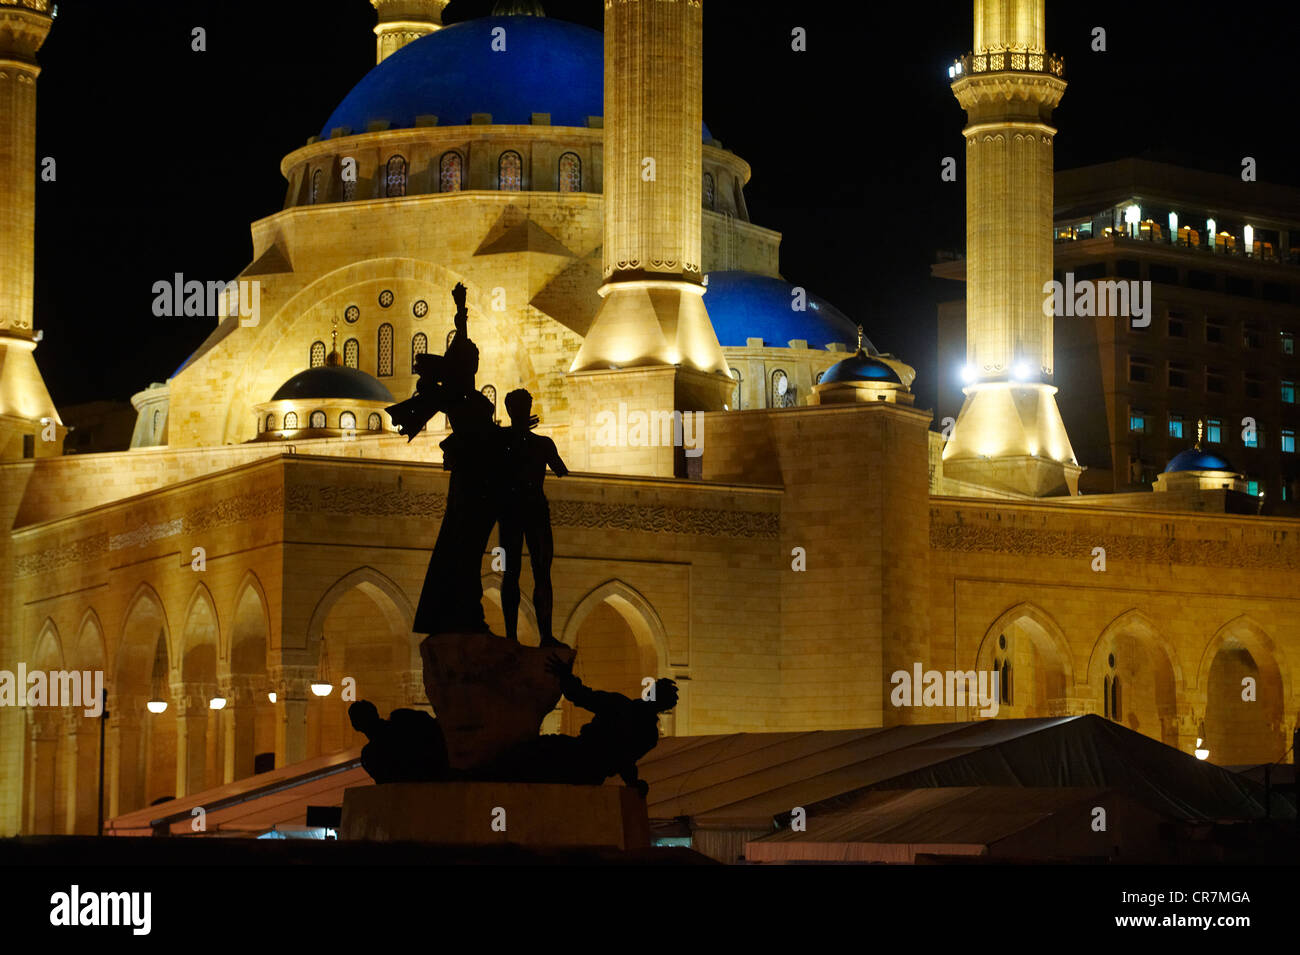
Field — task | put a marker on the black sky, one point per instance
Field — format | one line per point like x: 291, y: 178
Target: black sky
x: 166, y: 155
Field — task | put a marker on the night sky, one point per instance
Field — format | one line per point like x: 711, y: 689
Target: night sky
x: 164, y: 155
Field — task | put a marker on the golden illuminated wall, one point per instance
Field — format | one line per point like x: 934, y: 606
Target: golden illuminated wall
x: 653, y: 112
x: 1009, y: 25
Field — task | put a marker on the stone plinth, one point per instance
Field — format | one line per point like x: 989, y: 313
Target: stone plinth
x: 488, y: 693
x: 529, y: 814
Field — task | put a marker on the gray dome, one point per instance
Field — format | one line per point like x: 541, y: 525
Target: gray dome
x: 334, y: 381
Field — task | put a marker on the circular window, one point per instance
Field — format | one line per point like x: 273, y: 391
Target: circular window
x: 352, y: 315
x: 385, y: 298
x: 420, y: 308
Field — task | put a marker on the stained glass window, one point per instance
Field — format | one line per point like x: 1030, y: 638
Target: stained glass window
x: 510, y: 172
x: 290, y: 420
x: 315, y: 186
x: 570, y: 173
x: 449, y: 172
x: 710, y: 194
x: 374, y: 422
x: 270, y: 422
x: 317, y: 419
x: 385, y: 350
x: 317, y: 355
x: 347, y: 420
x: 396, y: 179
x: 352, y: 353
x: 419, y: 346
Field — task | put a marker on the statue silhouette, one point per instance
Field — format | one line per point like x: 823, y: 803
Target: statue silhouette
x: 451, y: 600
x: 407, y: 747
x: 526, y: 515
x: 622, y: 731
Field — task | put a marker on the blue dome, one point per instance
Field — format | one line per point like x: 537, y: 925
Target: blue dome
x: 860, y: 367
x: 332, y: 382
x: 548, y: 66
x: 747, y: 305
x: 1196, y: 460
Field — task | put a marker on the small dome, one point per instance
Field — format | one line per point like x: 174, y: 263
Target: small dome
x: 860, y: 367
x: 1194, y: 459
x: 334, y: 381
x: 745, y: 305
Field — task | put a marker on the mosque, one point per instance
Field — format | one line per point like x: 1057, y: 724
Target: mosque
x: 258, y: 552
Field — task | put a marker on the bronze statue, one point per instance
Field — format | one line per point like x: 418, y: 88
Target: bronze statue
x: 408, y: 747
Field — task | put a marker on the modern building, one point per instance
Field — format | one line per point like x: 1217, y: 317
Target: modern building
x: 1214, y: 342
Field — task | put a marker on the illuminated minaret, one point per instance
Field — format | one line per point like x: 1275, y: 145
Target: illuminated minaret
x: 1009, y: 435
x: 29, y: 425
x: 651, y: 346
x: 401, y: 21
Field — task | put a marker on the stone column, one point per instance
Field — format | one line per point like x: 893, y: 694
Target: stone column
x: 238, y: 727
x: 191, y: 702
x: 292, y: 690
x: 42, y: 761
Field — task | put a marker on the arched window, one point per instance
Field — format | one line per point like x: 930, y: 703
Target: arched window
x: 374, y: 422
x: 317, y: 419
x: 1114, y: 698
x: 315, y: 186
x: 347, y: 421
x: 157, y: 418
x: 395, y: 180
x: 449, y: 172
x: 490, y: 393
x: 349, y: 188
x: 735, y: 373
x: 1105, y: 696
x: 290, y: 420
x: 510, y: 172
x: 1006, y: 682
x: 419, y: 346
x: 710, y: 192
x: 352, y: 353
x: 819, y: 378
x: 570, y: 173
x: 317, y: 355
x: 385, y: 350
x: 270, y: 422
x: 782, y: 390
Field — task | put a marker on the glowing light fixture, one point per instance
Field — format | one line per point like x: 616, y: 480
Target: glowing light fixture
x: 322, y: 689
x: 1020, y: 372
x: 1211, y: 227
x: 217, y: 703
x: 1132, y: 215
x: 967, y: 374
x: 271, y: 696
x: 156, y: 706
x: 322, y: 685
x: 1250, y: 239
x: 1201, y: 751
x: 1173, y: 226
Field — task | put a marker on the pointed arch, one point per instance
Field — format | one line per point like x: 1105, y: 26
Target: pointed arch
x: 48, y: 645
x: 636, y: 611
x: 1254, y: 638
x: 95, y: 656
x: 1135, y: 620
x: 1055, y: 636
x: 396, y: 606
x: 250, y: 581
x: 144, y: 592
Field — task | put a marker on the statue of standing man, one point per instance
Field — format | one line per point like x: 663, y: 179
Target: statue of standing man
x: 526, y: 515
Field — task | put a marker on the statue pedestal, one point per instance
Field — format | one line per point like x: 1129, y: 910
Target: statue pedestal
x: 481, y: 814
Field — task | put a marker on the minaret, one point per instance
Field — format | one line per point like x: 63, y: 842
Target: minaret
x: 1009, y: 435
x: 401, y: 21
x: 651, y: 346
x: 29, y: 425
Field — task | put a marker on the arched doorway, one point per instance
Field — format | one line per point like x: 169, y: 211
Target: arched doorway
x: 620, y: 642
x: 45, y: 775
x: 1135, y: 678
x: 197, y: 724
x: 1030, y: 654
x: 142, y: 749
x: 248, y: 720
x: 1244, y: 703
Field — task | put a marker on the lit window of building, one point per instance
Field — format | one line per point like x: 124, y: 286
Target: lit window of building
x: 1175, y: 426
x: 1288, y: 440
x: 510, y: 172
x: 570, y: 173
x: 449, y: 172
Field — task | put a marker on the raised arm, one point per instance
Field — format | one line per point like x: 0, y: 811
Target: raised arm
x: 462, y: 315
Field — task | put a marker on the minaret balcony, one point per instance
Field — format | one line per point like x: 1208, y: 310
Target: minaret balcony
x: 1019, y: 61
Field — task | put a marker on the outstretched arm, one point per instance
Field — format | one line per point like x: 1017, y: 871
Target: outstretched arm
x: 578, y: 693
x: 554, y: 460
x: 462, y: 316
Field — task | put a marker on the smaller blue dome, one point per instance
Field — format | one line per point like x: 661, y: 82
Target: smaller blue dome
x: 333, y: 382
x: 1194, y: 459
x: 860, y: 367
x: 745, y: 305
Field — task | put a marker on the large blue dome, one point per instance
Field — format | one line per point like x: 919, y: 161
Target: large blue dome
x: 747, y: 305
x: 1194, y: 459
x: 548, y: 66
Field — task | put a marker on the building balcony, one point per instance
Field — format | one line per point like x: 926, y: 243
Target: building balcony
x: 1014, y: 61
x: 1189, y: 241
